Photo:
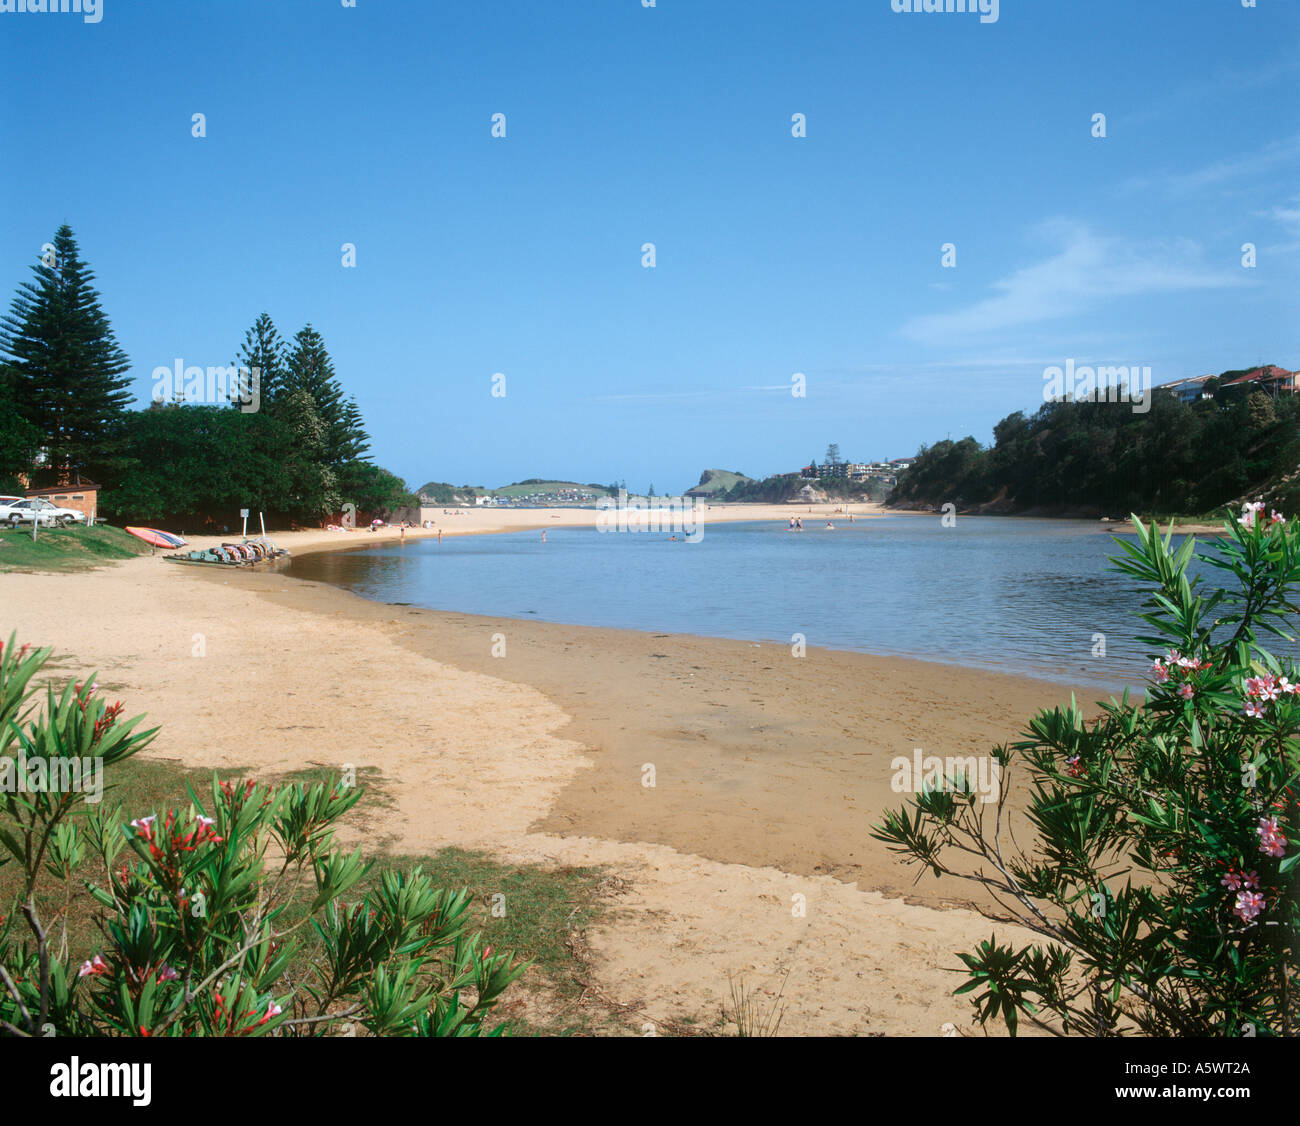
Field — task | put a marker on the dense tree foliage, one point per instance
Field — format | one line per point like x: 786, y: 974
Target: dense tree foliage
x: 297, y: 449
x: 778, y: 490
x: 1105, y: 457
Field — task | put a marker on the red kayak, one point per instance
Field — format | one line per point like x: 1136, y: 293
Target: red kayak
x: 156, y: 538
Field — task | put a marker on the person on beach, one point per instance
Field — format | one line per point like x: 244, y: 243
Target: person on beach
x: 543, y: 535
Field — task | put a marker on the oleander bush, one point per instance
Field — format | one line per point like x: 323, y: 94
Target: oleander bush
x: 1161, y: 870
x: 228, y: 917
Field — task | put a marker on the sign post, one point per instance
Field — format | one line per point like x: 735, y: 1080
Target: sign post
x: 243, y: 515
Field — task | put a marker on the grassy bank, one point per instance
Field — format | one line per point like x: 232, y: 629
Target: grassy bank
x: 67, y: 549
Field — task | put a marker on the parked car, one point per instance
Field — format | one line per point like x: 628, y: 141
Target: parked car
x: 5, y: 502
x: 41, y: 512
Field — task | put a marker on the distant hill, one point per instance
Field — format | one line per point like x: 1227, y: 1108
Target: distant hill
x: 439, y: 492
x: 536, y: 486
x: 714, y: 481
x: 536, y: 489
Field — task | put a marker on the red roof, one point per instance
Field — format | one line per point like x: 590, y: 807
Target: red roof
x: 1262, y: 375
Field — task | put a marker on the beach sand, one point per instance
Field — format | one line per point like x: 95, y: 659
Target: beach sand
x: 769, y: 769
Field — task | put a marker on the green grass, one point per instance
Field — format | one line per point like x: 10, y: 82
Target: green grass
x: 67, y: 549
x: 541, y: 917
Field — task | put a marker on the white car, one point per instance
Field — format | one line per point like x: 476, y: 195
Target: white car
x: 41, y: 512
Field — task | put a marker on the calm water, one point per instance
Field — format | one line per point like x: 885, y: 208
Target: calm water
x: 1009, y: 594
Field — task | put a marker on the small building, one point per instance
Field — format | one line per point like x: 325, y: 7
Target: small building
x: 81, y: 497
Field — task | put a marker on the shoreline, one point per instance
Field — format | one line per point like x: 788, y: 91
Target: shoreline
x: 769, y: 771
x: 743, y: 770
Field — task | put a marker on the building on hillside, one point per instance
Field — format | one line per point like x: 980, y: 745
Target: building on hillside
x: 1272, y: 380
x: 1187, y: 390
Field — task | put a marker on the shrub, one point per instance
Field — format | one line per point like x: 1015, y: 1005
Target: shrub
x: 223, y: 918
x: 1162, y: 867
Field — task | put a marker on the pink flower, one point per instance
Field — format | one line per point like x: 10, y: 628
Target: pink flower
x: 96, y: 967
x: 1235, y: 881
x: 1249, y: 904
x: 1072, y: 767
x: 1276, y: 518
x: 1253, y: 710
x: 1249, y: 512
x: 1271, y: 840
x: 1186, y: 691
x: 1262, y: 687
x: 144, y: 826
x: 167, y: 973
x: 1159, y: 672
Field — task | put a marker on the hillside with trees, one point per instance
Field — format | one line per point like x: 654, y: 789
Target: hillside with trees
x: 289, y: 442
x: 1099, y: 458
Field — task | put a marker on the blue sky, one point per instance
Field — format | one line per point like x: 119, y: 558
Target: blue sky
x: 672, y: 125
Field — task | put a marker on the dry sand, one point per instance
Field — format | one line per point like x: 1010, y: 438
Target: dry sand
x: 769, y: 770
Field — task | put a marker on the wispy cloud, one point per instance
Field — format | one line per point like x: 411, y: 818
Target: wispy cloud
x: 1085, y: 272
x: 1276, y: 154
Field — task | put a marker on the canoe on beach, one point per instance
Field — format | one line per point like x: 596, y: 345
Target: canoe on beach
x: 157, y: 538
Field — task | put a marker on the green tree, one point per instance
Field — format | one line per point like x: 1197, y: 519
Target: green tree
x: 310, y: 370
x: 266, y: 353
x: 64, y: 369
x: 353, y: 442
x: 204, y: 459
x: 313, y: 483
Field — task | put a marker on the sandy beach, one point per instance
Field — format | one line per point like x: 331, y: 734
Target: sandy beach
x: 769, y: 771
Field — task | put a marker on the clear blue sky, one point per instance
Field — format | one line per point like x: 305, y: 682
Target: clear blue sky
x: 670, y: 125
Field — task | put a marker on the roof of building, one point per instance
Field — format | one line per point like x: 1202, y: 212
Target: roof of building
x: 80, y: 486
x: 1261, y: 375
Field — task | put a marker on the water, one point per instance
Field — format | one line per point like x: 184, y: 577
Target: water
x: 1014, y: 595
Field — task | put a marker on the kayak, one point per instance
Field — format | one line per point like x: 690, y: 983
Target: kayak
x: 156, y: 538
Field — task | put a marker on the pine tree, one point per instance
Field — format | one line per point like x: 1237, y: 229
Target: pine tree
x: 310, y: 369
x: 355, y: 441
x: 265, y: 352
x: 64, y: 370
